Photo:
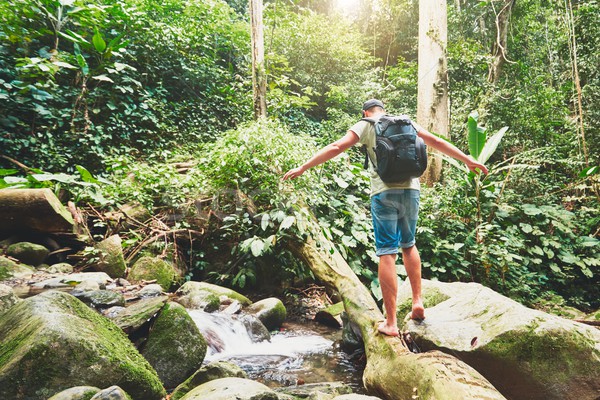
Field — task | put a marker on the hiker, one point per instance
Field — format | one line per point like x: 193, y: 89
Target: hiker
x: 394, y: 208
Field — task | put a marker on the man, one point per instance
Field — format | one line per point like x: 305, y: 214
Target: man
x: 394, y: 208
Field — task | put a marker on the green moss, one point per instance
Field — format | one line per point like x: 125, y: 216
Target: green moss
x: 149, y: 268
x: 431, y: 298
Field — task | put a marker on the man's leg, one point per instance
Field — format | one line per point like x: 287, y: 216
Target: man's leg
x: 389, y: 289
x: 412, y: 263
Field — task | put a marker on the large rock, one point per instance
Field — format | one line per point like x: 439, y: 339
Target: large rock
x: 231, y: 388
x: 212, y: 371
x: 134, y: 316
x: 111, y: 258
x: 271, y: 312
x: 11, y: 269
x: 52, y: 341
x: 153, y: 268
x: 28, y: 253
x: 175, y: 346
x: 526, y: 354
x: 111, y: 393
x: 206, y: 296
x: 72, y: 280
x: 76, y: 393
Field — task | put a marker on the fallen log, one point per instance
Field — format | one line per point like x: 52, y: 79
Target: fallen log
x: 33, y: 210
x: 392, y: 371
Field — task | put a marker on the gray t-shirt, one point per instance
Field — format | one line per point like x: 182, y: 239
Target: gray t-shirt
x: 366, y: 133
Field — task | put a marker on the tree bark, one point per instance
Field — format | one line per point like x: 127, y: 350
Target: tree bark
x: 392, y: 371
x: 499, y: 48
x: 259, y: 81
x: 37, y: 210
x: 432, y: 102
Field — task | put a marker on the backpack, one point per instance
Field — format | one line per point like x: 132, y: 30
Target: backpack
x: 401, y: 153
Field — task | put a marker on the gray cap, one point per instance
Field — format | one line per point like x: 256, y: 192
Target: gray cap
x: 372, y: 103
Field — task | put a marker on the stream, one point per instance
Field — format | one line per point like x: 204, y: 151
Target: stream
x: 297, y: 354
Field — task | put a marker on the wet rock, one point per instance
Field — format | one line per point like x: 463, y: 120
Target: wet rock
x: 231, y: 388
x: 212, y: 371
x: 111, y: 393
x: 271, y: 312
x: 330, y: 316
x: 59, y: 268
x: 175, y: 347
x: 72, y: 280
x: 87, y: 286
x: 76, y: 393
x: 8, y: 298
x: 28, y: 253
x: 153, y: 290
x: 153, y: 268
x: 206, y: 296
x: 524, y: 353
x: 135, y: 315
x: 111, y: 257
x: 11, y: 269
x: 53, y: 341
x: 331, y: 388
x: 256, y: 330
x: 100, y: 298
x: 355, y: 397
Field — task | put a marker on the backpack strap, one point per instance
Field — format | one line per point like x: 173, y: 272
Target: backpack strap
x: 364, y: 148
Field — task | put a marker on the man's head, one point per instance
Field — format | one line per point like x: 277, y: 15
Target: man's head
x: 372, y: 106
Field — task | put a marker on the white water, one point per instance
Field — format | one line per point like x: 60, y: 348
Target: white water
x: 229, y: 338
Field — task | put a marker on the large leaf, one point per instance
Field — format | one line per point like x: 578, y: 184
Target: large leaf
x: 491, y: 145
x: 99, y: 43
x: 476, y: 135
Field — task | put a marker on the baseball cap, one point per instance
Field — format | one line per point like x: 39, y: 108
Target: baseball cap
x: 372, y: 103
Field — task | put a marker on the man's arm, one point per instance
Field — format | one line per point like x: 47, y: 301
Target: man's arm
x: 325, y: 154
x: 450, y: 150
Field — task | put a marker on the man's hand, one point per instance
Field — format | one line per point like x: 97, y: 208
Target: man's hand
x: 293, y: 173
x: 476, y: 167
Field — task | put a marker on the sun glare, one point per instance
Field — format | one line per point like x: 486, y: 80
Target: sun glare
x: 347, y: 7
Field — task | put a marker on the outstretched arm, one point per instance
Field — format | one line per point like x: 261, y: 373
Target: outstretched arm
x: 451, y: 150
x: 325, y: 154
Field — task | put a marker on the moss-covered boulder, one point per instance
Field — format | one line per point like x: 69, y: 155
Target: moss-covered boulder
x: 231, y: 388
x: 52, y: 341
x: 8, y: 298
x: 212, y: 371
x: 206, y: 296
x: 11, y: 269
x: 271, y: 312
x: 80, y: 279
x: 28, y: 253
x: 153, y: 268
x: 111, y: 260
x: 135, y: 315
x: 524, y: 353
x: 100, y: 298
x: 59, y: 268
x: 76, y: 393
x: 175, y: 347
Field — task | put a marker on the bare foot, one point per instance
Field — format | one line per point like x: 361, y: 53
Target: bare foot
x: 389, y: 330
x: 418, y: 312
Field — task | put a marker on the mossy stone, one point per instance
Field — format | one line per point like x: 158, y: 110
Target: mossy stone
x: 28, y: 253
x: 76, y: 393
x: 231, y: 388
x: 271, y: 312
x: 175, y: 346
x: 111, y: 256
x: 212, y: 371
x: 206, y: 296
x: 52, y: 341
x: 10, y: 269
x: 153, y: 268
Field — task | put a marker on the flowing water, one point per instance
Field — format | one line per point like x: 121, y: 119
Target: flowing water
x: 297, y: 354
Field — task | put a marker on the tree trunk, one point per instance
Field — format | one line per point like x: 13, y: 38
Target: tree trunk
x: 392, y: 371
x: 432, y: 102
x: 259, y: 81
x: 499, y: 49
x: 37, y: 210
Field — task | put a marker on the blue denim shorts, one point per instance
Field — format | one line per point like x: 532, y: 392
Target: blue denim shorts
x: 395, y: 213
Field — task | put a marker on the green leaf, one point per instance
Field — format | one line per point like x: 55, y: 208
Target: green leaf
x: 287, y: 222
x: 64, y: 64
x: 257, y: 247
x: 264, y: 222
x: 476, y: 135
x: 491, y: 145
x: 98, y: 42
x: 103, y: 78
x: 86, y: 175
x: 5, y: 172
x: 589, y: 171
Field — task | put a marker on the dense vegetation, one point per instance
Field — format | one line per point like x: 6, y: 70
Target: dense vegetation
x: 125, y: 89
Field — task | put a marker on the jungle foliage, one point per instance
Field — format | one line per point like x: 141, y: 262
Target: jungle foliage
x: 102, y: 98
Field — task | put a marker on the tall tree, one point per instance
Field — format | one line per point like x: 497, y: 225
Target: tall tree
x: 259, y: 79
x: 499, y: 48
x: 432, y: 101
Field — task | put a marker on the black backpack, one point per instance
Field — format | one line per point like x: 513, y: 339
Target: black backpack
x: 401, y: 153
